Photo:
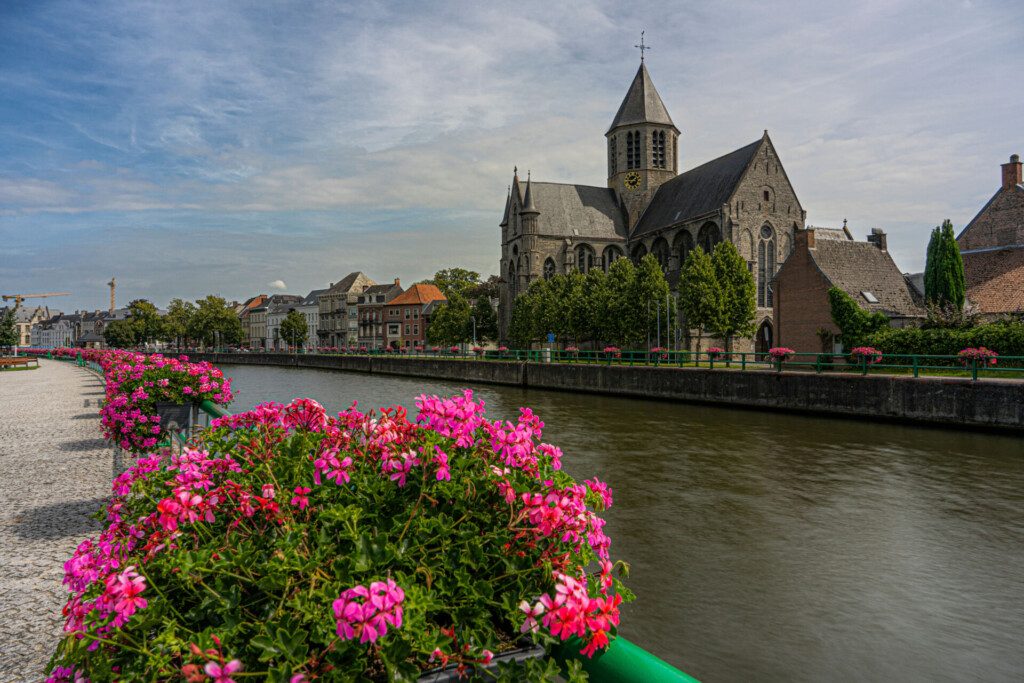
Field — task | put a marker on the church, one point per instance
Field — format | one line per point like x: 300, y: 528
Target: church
x: 649, y: 207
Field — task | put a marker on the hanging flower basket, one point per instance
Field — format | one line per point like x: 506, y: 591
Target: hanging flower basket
x: 866, y: 355
x: 715, y: 352
x: 977, y: 356
x: 611, y: 352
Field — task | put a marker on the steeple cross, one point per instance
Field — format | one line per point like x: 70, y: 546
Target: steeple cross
x: 643, y: 48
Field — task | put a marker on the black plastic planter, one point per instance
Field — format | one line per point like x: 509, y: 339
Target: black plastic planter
x: 174, y: 417
x: 450, y: 674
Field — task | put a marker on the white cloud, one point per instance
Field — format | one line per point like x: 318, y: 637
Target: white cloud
x: 277, y: 284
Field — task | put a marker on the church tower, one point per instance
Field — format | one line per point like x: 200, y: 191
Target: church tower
x: 642, y: 146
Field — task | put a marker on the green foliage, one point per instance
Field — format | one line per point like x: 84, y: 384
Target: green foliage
x: 854, y: 323
x: 214, y: 315
x: 456, y: 281
x: 120, y: 334
x: 145, y: 321
x: 450, y: 323
x: 701, y: 297
x: 8, y: 328
x: 1006, y: 338
x: 944, y: 280
x: 738, y: 308
x: 486, y: 320
x: 520, y: 329
x: 177, y: 321
x: 294, y: 329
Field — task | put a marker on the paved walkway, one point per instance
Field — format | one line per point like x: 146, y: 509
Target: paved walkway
x: 55, y: 471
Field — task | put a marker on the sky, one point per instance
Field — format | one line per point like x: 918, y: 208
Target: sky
x: 234, y: 148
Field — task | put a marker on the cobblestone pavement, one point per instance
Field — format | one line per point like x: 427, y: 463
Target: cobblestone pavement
x: 55, y: 471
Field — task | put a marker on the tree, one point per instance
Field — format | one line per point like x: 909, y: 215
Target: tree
x: 648, y: 295
x: 120, y: 334
x: 854, y: 323
x: 737, y: 294
x: 294, y: 329
x: 700, y: 296
x: 8, y: 328
x: 620, y: 312
x: 522, y: 324
x: 145, y: 319
x: 456, y: 281
x: 213, y: 317
x: 486, y: 319
x: 177, y: 321
x: 450, y: 322
x: 944, y: 281
x: 491, y: 289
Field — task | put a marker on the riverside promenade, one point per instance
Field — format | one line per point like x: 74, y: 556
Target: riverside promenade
x: 55, y: 471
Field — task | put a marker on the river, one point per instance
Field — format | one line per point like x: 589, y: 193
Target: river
x: 772, y: 547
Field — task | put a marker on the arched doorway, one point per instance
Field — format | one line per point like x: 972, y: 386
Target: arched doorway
x: 765, y: 337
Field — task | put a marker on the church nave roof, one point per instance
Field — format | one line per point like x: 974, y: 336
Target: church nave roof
x: 579, y: 212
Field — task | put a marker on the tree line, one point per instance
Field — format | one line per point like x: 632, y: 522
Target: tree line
x: 205, y: 321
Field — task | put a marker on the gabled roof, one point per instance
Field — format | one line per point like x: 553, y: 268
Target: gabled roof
x: 346, y: 283
x: 699, y: 191
x: 995, y: 279
x: 381, y: 289
x: 857, y: 267
x: 311, y: 298
x: 642, y: 103
x: 1011, y: 194
x: 420, y: 293
x: 593, y: 211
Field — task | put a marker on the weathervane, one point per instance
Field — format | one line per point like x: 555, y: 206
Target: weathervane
x: 643, y: 48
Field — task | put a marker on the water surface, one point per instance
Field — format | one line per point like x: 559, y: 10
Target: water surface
x: 775, y: 547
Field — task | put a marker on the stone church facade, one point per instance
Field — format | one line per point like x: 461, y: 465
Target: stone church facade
x: 648, y: 207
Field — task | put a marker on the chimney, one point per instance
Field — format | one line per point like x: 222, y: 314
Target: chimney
x: 398, y: 282
x: 1012, y: 172
x: 877, y: 238
x: 805, y: 238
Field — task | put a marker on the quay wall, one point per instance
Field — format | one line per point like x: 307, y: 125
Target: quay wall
x: 943, y: 401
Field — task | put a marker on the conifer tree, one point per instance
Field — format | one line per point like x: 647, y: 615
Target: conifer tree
x: 944, y: 280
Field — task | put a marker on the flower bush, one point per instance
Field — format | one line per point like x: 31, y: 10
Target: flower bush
x: 780, y: 354
x: 478, y: 350
x: 613, y: 352
x: 978, y: 355
x: 290, y: 545
x: 453, y: 348
x: 866, y: 354
x: 714, y: 352
x: 660, y: 351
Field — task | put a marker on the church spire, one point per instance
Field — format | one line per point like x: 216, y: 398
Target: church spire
x: 642, y: 104
x: 508, y: 208
x: 528, y: 205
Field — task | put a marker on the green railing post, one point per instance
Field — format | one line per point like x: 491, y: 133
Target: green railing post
x: 743, y: 361
x: 916, y: 370
x: 863, y: 365
x: 974, y: 369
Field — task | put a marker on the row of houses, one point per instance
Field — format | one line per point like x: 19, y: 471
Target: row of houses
x: 48, y: 328
x: 355, y: 311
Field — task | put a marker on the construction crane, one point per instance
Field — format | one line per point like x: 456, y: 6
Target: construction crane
x: 18, y: 298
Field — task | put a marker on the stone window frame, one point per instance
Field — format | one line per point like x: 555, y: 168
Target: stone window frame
x: 549, y: 268
x: 766, y: 264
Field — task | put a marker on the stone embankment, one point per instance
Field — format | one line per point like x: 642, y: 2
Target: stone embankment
x: 950, y: 402
x: 55, y: 472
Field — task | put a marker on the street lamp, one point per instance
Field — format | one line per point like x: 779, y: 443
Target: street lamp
x: 473, y: 319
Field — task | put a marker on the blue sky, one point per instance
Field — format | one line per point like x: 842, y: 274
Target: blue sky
x: 198, y: 147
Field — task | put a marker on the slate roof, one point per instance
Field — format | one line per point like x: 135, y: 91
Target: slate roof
x: 842, y: 233
x: 346, y: 283
x: 642, y: 103
x: 856, y: 267
x: 995, y: 279
x: 593, y: 211
x: 419, y: 293
x: 311, y: 298
x: 699, y: 191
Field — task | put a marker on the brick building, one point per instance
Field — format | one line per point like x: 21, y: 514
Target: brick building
x: 824, y: 258
x: 407, y: 315
x: 992, y: 246
x: 370, y: 305
x: 648, y: 207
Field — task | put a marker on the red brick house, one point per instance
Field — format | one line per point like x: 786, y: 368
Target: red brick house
x: 407, y: 315
x: 992, y: 246
x: 824, y: 258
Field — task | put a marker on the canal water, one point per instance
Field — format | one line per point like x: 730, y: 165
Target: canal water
x: 772, y: 547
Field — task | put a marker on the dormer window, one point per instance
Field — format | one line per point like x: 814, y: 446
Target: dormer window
x: 869, y: 297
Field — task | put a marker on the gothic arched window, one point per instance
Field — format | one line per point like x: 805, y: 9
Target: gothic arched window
x: 661, y: 252
x: 585, y: 258
x: 513, y: 281
x: 611, y: 253
x: 765, y: 265
x: 639, y: 251
x: 549, y: 269
x: 631, y: 149
x: 683, y: 246
x: 708, y: 237
x: 658, y: 149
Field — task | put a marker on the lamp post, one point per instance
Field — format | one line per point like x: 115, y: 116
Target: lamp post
x: 473, y: 319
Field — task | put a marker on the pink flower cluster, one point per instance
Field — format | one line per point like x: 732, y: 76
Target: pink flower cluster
x: 366, y: 613
x: 866, y: 354
x: 780, y: 353
x: 573, y: 612
x: 978, y: 355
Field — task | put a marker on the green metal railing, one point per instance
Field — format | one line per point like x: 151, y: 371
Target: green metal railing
x: 915, y: 365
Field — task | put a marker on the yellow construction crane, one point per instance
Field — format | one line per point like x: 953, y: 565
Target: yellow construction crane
x: 18, y: 298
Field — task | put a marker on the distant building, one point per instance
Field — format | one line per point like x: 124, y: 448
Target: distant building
x: 824, y: 258
x: 339, y: 314
x: 407, y: 315
x: 59, y: 330
x: 310, y: 310
x: 265, y: 320
x: 371, y: 313
x: 245, y: 317
x: 992, y: 246
x: 25, y: 318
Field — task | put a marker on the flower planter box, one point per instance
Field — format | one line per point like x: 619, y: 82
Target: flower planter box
x: 450, y: 674
x: 174, y: 417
